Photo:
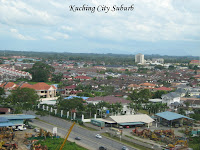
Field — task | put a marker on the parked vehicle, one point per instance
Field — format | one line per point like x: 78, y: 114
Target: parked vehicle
x: 77, y: 138
x: 36, y: 130
x: 102, y: 148
x: 98, y: 136
x: 124, y: 148
x: 20, y: 128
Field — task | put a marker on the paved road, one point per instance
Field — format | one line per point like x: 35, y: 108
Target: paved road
x: 88, y: 137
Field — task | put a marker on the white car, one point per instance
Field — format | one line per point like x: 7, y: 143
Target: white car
x: 20, y: 128
x: 98, y: 136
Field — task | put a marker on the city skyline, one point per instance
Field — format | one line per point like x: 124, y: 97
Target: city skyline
x: 168, y: 27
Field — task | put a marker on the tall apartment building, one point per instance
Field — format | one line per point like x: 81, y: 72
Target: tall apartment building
x: 139, y: 58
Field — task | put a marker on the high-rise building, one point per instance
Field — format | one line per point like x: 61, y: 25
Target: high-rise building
x: 139, y: 58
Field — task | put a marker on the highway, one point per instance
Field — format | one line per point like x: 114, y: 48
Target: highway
x: 88, y: 138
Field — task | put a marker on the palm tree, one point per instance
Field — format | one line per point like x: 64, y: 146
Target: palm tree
x: 118, y: 107
x: 131, y: 106
x: 101, y: 106
x: 90, y: 107
x: 137, y: 107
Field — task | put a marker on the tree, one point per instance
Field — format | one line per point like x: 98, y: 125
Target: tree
x: 41, y: 72
x: 2, y: 91
x: 134, y: 96
x: 171, y: 67
x: 24, y: 98
x: 91, y: 108
x: 137, y: 107
x: 71, y: 104
x: 158, y: 94
x: 144, y: 95
x: 86, y: 94
x: 131, y: 106
x: 118, y: 107
x: 57, y: 77
x: 101, y: 105
x: 159, y: 67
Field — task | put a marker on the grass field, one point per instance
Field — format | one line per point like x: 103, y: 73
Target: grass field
x: 55, y: 143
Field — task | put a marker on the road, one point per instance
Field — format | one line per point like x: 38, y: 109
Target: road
x: 88, y: 138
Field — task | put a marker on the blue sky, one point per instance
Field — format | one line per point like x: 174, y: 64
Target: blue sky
x: 163, y: 27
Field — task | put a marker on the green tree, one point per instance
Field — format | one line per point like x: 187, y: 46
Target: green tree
x: 118, y: 107
x: 24, y: 98
x: 91, y: 108
x: 159, y: 67
x: 171, y: 67
x: 2, y: 91
x: 41, y: 72
x: 145, y: 95
x: 158, y: 94
x: 71, y: 104
x: 101, y: 106
x: 134, y: 96
x: 137, y: 107
x: 57, y: 77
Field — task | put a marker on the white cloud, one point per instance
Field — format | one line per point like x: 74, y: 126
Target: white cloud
x: 17, y: 35
x: 61, y: 35
x: 67, y: 28
x: 151, y: 20
x: 49, y: 38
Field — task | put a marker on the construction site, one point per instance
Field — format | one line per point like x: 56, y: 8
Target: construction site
x: 168, y: 137
x: 28, y: 139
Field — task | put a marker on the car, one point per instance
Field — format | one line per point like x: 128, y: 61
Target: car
x: 77, y: 138
x: 124, y: 148
x: 36, y: 130
x: 102, y: 148
x: 20, y: 128
x: 98, y: 136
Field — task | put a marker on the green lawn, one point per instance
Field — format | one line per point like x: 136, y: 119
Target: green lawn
x: 194, y: 143
x: 55, y: 143
x: 143, y: 112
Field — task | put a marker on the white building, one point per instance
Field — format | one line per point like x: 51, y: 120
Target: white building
x: 158, y: 60
x: 170, y: 98
x: 139, y: 58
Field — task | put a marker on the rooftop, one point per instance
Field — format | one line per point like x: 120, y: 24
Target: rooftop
x: 132, y: 118
x: 171, y: 115
x: 17, y: 116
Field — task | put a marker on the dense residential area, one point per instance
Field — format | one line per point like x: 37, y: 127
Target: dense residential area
x: 127, y: 99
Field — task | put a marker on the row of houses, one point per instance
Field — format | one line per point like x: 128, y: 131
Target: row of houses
x: 13, y: 73
x: 43, y: 90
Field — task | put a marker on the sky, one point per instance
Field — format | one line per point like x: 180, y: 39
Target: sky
x: 165, y: 27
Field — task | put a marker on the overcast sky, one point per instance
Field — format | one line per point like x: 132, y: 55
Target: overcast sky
x: 154, y: 27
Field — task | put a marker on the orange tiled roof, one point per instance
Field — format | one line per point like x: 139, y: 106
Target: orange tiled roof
x: 26, y: 85
x: 2, y: 85
x: 10, y: 85
x: 163, y: 89
x: 41, y: 86
x: 133, y: 85
x: 147, y: 84
x: 38, y: 86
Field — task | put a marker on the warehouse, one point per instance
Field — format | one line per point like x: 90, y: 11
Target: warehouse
x: 14, y: 119
x: 168, y: 118
x: 128, y: 121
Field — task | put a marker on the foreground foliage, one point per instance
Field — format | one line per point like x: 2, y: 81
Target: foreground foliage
x: 55, y: 143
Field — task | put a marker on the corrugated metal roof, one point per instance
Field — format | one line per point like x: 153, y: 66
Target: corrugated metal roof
x: 5, y: 124
x: 131, y: 123
x: 132, y: 118
x: 3, y: 119
x: 17, y: 116
x: 104, y: 120
x: 171, y: 115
